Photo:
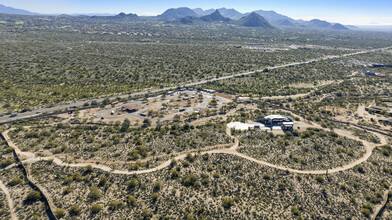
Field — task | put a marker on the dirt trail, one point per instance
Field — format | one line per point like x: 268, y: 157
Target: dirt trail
x: 73, y: 160
x: 382, y: 205
x: 9, y: 199
x: 23, y: 155
x: 369, y: 147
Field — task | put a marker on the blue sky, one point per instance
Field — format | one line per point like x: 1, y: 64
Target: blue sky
x: 357, y: 12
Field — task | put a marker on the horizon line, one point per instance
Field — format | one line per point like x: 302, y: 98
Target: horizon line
x: 153, y: 14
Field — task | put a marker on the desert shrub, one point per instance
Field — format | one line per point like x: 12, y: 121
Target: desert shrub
x: 15, y: 181
x: 74, y: 210
x: 146, y: 214
x: 67, y: 190
x: 131, y: 200
x: 5, y: 163
x: 33, y: 196
x: 360, y: 168
x: 319, y: 179
x: 102, y: 181
x: 125, y: 125
x: 154, y: 197
x: 157, y: 186
x: 59, y: 213
x: 295, y: 211
x: 94, y: 194
x: 131, y: 184
x: 190, y: 157
x: 266, y: 176
x: 77, y: 177
x: 175, y: 174
x: 95, y: 208
x: 115, y: 205
x: 227, y: 202
x: 189, y: 180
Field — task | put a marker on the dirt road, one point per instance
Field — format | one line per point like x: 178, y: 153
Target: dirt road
x: 9, y: 199
x: 369, y: 147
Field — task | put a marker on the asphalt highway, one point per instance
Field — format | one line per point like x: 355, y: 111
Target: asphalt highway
x: 63, y: 107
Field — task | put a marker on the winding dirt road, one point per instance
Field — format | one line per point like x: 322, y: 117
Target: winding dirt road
x: 369, y: 147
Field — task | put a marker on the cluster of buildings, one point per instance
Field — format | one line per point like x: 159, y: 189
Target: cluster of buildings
x: 271, y: 122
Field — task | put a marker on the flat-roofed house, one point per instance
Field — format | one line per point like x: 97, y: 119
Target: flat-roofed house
x: 130, y: 108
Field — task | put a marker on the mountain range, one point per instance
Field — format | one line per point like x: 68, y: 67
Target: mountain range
x: 184, y: 15
x: 251, y: 20
x: 274, y: 19
x: 8, y: 10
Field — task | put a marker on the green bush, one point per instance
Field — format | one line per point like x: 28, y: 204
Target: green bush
x: 74, y: 210
x: 131, y: 184
x: 115, y: 205
x: 33, y: 196
x: 157, y: 186
x: 67, y: 190
x: 94, y: 194
x: 5, y: 163
x: 95, y: 208
x: 319, y: 179
x: 125, y: 125
x: 175, y: 174
x: 227, y: 202
x: 146, y: 214
x: 131, y: 200
x: 59, y: 213
x: 154, y: 197
x: 15, y: 181
x: 295, y: 211
x: 189, y: 180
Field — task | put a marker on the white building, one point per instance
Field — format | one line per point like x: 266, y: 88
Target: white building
x: 285, y: 122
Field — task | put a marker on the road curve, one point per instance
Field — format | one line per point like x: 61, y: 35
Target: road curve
x: 44, y: 111
x: 369, y: 147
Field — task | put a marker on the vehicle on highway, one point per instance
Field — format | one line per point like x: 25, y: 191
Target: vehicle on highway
x: 14, y: 114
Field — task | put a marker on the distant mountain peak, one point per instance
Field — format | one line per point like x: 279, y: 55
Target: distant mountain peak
x: 317, y: 23
x: 254, y: 20
x: 123, y: 15
x: 215, y: 17
x: 176, y: 13
x: 9, y: 10
x: 338, y: 26
x: 216, y: 14
x: 225, y: 12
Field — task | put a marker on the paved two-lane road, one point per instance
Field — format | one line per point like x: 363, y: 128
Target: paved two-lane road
x: 63, y: 107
